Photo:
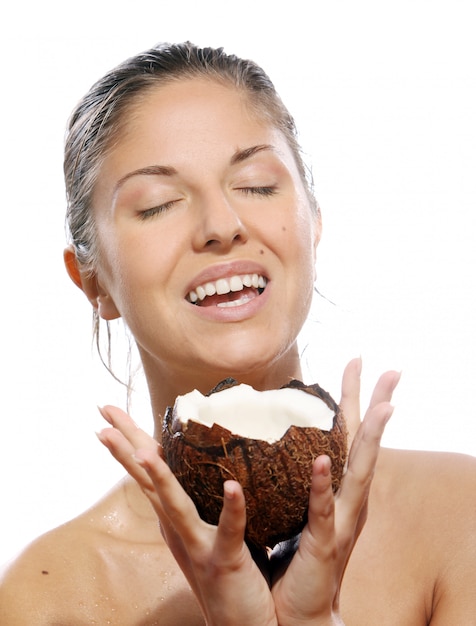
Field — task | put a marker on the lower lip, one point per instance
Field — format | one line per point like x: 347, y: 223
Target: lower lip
x: 238, y: 313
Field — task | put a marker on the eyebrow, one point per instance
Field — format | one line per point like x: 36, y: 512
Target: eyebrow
x: 163, y: 170
x: 151, y: 170
x: 242, y: 155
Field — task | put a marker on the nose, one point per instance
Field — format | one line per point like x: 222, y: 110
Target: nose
x: 219, y: 225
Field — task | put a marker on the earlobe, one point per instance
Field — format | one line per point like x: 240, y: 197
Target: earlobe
x: 106, y: 307
x: 90, y: 286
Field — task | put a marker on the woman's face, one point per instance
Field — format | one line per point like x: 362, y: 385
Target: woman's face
x: 202, y: 199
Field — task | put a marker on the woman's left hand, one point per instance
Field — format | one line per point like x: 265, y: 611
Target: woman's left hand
x: 308, y: 591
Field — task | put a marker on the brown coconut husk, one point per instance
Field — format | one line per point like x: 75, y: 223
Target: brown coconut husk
x: 275, y: 477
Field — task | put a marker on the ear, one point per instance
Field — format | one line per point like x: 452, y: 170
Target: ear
x: 89, y: 284
x: 317, y: 235
x: 317, y: 227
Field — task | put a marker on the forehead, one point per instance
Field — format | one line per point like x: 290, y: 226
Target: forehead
x: 188, y: 96
x: 194, y: 126
x: 194, y: 111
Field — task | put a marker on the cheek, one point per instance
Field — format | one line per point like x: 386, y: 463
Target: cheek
x: 300, y: 234
x: 290, y: 234
x: 304, y: 243
x: 119, y: 272
x: 292, y: 240
x: 127, y: 255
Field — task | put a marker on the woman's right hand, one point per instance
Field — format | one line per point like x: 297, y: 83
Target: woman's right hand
x: 225, y: 579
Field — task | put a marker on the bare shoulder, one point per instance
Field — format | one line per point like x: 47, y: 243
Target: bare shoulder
x: 438, y: 477
x: 436, y: 489
x: 434, y: 496
x: 46, y: 575
x: 417, y: 550
x: 107, y: 566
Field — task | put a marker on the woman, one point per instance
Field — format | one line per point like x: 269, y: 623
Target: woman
x: 183, y: 174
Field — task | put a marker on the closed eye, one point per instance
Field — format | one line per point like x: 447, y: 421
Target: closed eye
x: 258, y: 191
x: 162, y: 208
x: 156, y: 210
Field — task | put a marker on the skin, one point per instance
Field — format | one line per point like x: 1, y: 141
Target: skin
x: 403, y: 555
x: 215, y: 228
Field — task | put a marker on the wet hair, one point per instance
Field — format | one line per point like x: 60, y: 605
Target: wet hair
x: 98, y: 120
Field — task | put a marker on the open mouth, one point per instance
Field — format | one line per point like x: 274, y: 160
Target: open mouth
x: 228, y: 292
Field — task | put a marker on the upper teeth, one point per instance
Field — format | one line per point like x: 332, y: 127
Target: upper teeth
x: 225, y: 285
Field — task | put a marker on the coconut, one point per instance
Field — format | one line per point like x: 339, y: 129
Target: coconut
x: 266, y: 440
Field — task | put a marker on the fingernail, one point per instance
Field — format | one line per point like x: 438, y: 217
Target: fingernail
x: 398, y: 375
x: 103, y: 413
x: 228, y: 490
x: 99, y: 435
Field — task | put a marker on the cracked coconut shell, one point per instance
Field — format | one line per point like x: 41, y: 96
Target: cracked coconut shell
x: 275, y: 474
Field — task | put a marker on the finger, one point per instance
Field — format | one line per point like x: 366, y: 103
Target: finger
x: 231, y: 525
x: 126, y: 425
x: 384, y: 388
x: 312, y: 571
x: 139, y: 464
x: 176, y: 504
x: 230, y: 552
x: 179, y: 549
x: 362, y: 460
x: 366, y: 443
x: 350, y: 398
x: 367, y: 439
x: 318, y: 536
x: 123, y: 451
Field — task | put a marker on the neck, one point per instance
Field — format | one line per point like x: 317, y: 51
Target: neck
x: 165, y: 385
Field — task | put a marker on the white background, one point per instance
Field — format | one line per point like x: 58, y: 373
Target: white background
x: 385, y: 97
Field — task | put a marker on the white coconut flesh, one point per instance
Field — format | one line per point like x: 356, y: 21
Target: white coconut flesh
x: 264, y: 415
